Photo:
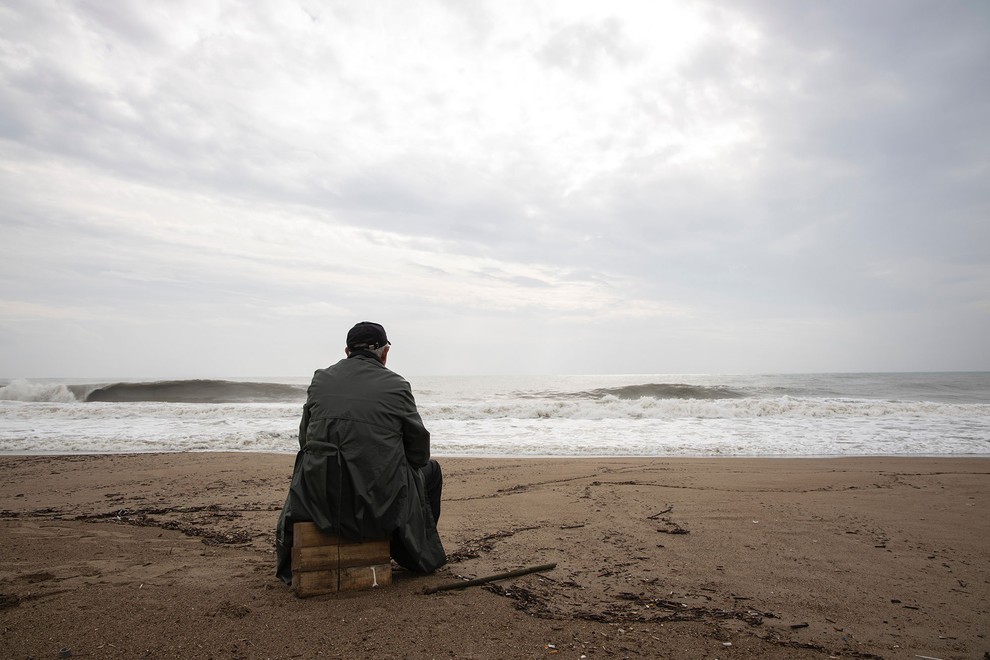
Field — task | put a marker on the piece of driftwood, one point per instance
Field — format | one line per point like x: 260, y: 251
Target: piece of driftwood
x: 491, y: 578
x: 670, y: 507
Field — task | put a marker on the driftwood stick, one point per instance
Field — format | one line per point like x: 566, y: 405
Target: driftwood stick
x: 670, y: 507
x: 491, y: 578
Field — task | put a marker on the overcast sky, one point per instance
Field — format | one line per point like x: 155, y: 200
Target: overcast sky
x: 214, y: 188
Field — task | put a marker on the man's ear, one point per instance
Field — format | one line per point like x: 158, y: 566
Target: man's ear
x: 347, y: 352
x: 385, y: 354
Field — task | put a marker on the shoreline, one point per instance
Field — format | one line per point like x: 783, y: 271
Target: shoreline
x: 170, y: 554
x: 562, y: 457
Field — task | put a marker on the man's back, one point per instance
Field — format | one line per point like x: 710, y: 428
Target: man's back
x: 363, y: 461
x: 359, y: 400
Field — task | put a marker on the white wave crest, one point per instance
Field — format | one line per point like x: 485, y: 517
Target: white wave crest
x: 517, y: 426
x: 611, y: 407
x: 23, y: 390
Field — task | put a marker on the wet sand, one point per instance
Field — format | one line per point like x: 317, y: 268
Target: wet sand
x: 171, y: 555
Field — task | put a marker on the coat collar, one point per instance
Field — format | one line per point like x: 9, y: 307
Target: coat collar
x: 360, y: 352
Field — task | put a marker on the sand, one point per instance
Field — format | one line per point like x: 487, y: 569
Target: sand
x: 171, y: 555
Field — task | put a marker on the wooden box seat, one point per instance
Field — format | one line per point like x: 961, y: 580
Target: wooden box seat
x: 325, y: 564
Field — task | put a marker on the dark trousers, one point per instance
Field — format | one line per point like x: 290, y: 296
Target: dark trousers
x: 434, y: 486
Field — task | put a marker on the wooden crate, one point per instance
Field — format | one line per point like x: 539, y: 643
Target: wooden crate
x: 325, y: 564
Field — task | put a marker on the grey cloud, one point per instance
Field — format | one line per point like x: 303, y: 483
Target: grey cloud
x: 165, y: 118
x: 433, y: 196
x: 131, y: 23
x: 581, y: 49
x: 901, y: 87
x: 519, y: 280
x: 869, y: 143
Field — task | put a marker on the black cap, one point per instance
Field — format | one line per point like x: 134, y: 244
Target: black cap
x: 367, y: 335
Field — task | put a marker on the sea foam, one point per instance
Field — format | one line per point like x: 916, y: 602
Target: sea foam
x: 22, y: 390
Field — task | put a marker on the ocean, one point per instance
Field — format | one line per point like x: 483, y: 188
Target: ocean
x: 925, y: 414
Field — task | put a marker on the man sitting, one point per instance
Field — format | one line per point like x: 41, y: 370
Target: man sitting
x: 363, y: 470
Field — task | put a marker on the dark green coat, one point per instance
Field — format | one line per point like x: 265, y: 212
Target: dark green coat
x: 357, y: 474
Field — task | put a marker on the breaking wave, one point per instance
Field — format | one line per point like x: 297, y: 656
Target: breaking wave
x: 225, y: 391
x: 649, y: 391
x: 197, y: 391
x: 163, y: 391
x: 666, y: 391
x: 22, y: 390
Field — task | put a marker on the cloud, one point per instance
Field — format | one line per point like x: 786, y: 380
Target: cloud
x: 685, y: 168
x: 124, y: 239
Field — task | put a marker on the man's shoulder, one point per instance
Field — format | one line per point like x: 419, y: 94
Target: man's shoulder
x: 358, y: 368
x: 323, y: 373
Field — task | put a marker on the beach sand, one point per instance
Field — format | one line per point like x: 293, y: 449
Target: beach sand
x: 171, y: 555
